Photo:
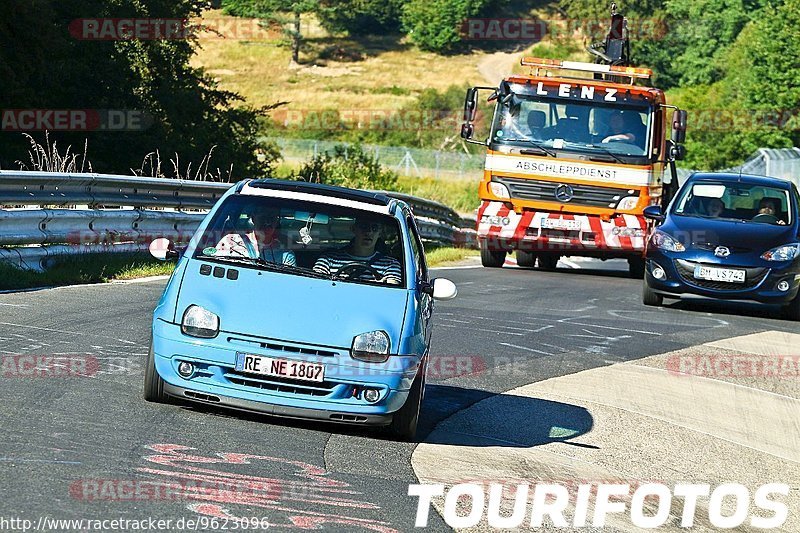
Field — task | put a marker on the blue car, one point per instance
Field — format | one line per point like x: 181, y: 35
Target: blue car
x: 299, y: 300
x: 727, y: 236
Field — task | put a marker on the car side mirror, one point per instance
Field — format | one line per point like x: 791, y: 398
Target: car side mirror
x: 163, y: 249
x: 440, y: 289
x: 654, y: 212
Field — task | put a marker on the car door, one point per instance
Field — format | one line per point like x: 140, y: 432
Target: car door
x: 424, y: 301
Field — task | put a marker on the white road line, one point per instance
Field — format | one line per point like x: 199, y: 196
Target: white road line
x: 487, y: 330
x: 570, y: 264
x: 467, y: 267
x: 524, y: 348
x: 15, y: 305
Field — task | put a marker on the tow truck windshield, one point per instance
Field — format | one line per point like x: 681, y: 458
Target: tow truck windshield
x: 559, y: 124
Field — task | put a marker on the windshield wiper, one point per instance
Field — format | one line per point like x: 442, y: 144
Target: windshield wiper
x: 268, y: 265
x: 606, y: 151
x: 534, y: 143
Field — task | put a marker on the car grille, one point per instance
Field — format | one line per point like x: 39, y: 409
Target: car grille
x: 285, y: 385
x: 541, y: 190
x: 753, y: 277
x: 283, y: 348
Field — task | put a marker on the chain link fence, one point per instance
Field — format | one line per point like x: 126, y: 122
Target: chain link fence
x: 405, y: 161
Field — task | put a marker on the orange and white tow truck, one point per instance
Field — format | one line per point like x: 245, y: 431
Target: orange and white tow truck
x: 575, y: 153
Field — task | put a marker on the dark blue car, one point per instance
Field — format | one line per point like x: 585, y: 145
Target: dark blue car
x: 727, y: 236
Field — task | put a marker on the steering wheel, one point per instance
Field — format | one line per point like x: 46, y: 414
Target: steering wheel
x: 764, y: 217
x: 355, y: 270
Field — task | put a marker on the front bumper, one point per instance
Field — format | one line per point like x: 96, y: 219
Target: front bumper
x: 504, y: 229
x: 338, y: 399
x: 760, y: 285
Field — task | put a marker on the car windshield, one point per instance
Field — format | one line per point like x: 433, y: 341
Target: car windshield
x: 616, y: 129
x: 306, y: 239
x: 736, y: 201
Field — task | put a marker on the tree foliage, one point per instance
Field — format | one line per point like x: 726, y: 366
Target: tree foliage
x: 436, y: 25
x: 43, y: 66
x: 348, y: 166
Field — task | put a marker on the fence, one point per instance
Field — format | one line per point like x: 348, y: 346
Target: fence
x: 405, y: 161
x: 52, y: 214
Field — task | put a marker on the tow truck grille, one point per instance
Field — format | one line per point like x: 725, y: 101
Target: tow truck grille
x: 544, y: 191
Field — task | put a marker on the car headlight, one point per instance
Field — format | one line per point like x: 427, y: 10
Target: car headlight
x: 372, y: 347
x: 200, y: 322
x: 499, y: 190
x: 628, y: 203
x: 787, y: 252
x: 664, y: 242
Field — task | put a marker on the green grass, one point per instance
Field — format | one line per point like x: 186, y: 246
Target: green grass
x: 461, y: 195
x: 93, y: 268
x: 443, y: 256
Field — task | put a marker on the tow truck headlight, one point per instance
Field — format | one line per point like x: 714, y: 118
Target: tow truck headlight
x: 787, y: 252
x: 628, y: 203
x: 664, y: 242
x: 372, y: 347
x: 499, y: 190
x: 200, y: 322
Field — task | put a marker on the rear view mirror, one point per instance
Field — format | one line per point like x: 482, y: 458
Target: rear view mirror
x: 444, y: 289
x: 163, y: 249
x: 679, y: 126
x: 654, y: 212
x: 471, y: 105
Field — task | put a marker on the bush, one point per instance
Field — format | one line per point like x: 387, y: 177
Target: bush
x: 363, y: 17
x: 348, y: 166
x: 435, y: 25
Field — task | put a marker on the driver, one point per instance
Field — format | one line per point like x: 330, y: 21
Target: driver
x: 768, y: 207
x: 625, y: 127
x: 361, y: 253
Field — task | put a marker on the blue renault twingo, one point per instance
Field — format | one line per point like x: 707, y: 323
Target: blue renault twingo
x: 299, y: 300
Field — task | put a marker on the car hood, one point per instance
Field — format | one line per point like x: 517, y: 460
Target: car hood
x: 743, y: 236
x: 294, y: 308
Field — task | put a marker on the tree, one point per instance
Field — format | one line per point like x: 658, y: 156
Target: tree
x: 362, y: 17
x: 280, y: 12
x: 435, y: 25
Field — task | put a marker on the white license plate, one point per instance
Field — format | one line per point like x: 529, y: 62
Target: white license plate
x: 561, y: 224
x: 281, y: 368
x: 719, y: 274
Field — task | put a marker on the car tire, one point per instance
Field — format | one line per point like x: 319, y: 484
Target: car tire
x: 526, y: 259
x: 636, y: 266
x: 492, y: 259
x: 153, y: 384
x: 792, y: 310
x: 405, y: 419
x: 548, y: 261
x: 651, y: 297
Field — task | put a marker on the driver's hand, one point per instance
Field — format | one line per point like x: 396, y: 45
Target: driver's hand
x: 618, y: 137
x: 391, y: 280
x: 781, y: 223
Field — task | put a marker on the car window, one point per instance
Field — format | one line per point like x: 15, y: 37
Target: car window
x: 736, y: 201
x: 418, y: 251
x: 306, y: 238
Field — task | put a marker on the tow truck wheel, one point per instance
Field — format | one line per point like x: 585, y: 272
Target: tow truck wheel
x: 636, y: 267
x: 526, y: 259
x: 491, y: 258
x: 650, y: 297
x: 548, y: 261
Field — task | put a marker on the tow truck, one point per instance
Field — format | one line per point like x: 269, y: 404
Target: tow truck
x: 575, y: 153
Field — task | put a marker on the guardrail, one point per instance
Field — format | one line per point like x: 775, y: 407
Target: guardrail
x: 90, y: 213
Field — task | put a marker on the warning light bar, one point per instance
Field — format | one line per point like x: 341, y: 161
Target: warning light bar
x: 632, y: 72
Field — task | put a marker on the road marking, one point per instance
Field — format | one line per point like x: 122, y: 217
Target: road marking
x: 15, y: 305
x: 570, y: 264
x: 483, y: 329
x: 524, y: 348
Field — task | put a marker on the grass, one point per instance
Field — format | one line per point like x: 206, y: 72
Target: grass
x: 90, y: 268
x: 445, y: 256
x: 461, y: 195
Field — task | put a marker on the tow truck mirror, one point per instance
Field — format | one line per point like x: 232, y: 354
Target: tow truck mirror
x: 471, y: 105
x: 467, y: 131
x: 678, y: 152
x: 679, y: 126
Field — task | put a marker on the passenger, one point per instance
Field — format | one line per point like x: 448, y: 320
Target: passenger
x: 715, y: 207
x: 260, y: 242
x: 626, y: 126
x: 360, y: 257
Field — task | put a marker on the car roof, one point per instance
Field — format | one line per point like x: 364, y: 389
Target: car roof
x: 319, y: 189
x: 750, y: 179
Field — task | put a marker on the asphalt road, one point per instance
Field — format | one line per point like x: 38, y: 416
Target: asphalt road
x: 88, y: 447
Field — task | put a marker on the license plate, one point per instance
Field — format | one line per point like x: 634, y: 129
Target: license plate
x: 719, y: 274
x: 561, y: 224
x: 281, y: 368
